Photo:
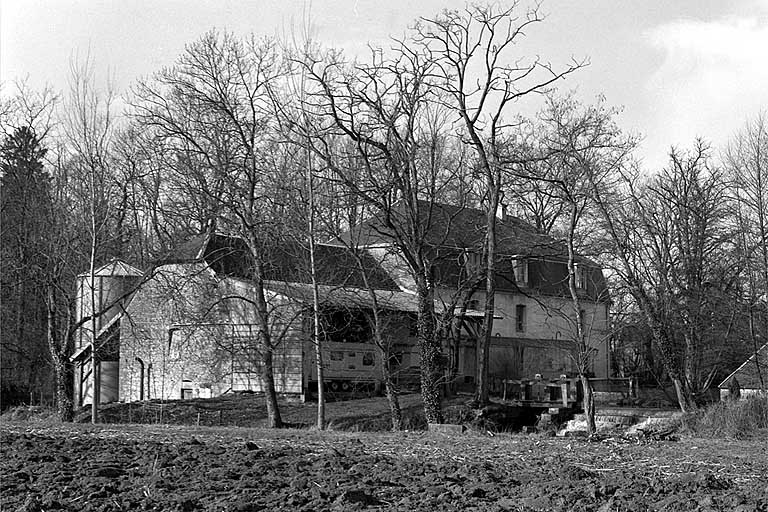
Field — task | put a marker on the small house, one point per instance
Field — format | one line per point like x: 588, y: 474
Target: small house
x: 749, y: 379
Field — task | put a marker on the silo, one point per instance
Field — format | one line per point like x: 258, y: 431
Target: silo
x: 112, y: 285
x: 114, y: 281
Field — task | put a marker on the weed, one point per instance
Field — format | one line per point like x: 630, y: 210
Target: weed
x: 31, y: 413
x: 733, y: 419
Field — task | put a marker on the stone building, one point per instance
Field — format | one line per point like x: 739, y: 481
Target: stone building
x: 188, y: 327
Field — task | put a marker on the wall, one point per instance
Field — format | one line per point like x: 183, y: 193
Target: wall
x: 174, y: 295
x: 288, y: 337
x: 544, y: 346
x: 193, y: 343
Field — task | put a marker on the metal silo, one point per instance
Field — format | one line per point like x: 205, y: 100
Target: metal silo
x: 112, y: 285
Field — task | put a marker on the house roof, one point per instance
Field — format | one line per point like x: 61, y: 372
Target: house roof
x: 452, y: 230
x: 459, y: 227
x: 747, y: 374
x: 348, y: 297
x: 115, y: 268
x: 287, y: 261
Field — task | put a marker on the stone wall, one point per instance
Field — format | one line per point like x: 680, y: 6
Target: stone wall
x: 180, y: 339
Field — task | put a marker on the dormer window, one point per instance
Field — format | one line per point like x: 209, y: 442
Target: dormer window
x: 520, y: 267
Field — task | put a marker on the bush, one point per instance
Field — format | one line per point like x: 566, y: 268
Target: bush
x: 30, y: 413
x: 733, y: 419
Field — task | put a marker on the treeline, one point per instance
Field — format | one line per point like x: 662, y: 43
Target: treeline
x: 270, y: 139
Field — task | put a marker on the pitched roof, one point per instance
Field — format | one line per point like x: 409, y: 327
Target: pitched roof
x: 747, y: 374
x: 115, y: 268
x: 287, y: 261
x: 459, y: 227
x: 352, y: 297
x: 450, y: 230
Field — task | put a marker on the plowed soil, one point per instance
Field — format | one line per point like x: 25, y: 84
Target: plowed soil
x: 141, y: 467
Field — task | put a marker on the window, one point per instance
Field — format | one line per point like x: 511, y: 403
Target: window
x: 581, y: 277
x: 242, y: 345
x: 368, y: 359
x: 472, y: 262
x: 520, y: 267
x: 583, y: 319
x: 520, y: 318
x: 187, y: 390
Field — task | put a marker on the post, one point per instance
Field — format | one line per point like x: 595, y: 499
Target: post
x: 564, y: 393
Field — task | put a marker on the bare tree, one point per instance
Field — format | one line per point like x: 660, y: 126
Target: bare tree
x: 673, y: 245
x: 746, y: 161
x: 215, y: 111
x: 387, y: 112
x: 89, y: 127
x: 584, y: 149
x: 472, y: 50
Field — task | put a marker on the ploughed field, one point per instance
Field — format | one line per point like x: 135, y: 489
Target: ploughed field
x: 185, y: 468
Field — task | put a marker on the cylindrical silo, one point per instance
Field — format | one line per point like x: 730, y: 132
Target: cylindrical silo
x: 112, y: 284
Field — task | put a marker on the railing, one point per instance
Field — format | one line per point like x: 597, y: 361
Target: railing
x: 628, y: 387
x: 563, y: 392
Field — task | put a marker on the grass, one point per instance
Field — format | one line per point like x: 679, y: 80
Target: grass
x: 248, y: 410
x: 731, y: 419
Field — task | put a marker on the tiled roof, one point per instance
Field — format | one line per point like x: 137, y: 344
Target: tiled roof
x: 287, y: 261
x: 451, y: 226
x: 449, y: 230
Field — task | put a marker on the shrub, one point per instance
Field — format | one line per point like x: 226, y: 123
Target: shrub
x: 734, y: 419
x: 31, y: 413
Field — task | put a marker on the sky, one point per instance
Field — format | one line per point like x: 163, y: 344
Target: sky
x: 678, y: 69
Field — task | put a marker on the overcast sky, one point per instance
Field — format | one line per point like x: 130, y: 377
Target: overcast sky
x: 680, y: 69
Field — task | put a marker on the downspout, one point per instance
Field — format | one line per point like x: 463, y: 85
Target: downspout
x: 149, y: 370
x: 166, y: 357
x: 141, y: 379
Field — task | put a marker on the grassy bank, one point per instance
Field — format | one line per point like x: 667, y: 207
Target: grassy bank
x: 731, y: 419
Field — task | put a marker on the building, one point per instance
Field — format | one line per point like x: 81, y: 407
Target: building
x: 534, y: 329
x: 751, y: 378
x: 188, y: 326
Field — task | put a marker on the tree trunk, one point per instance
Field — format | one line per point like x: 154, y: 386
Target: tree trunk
x: 393, y: 394
x: 583, y: 352
x: 63, y: 375
x: 588, y: 403
x: 429, y: 349
x: 266, y: 349
x: 394, y: 406
x: 684, y: 398
x: 482, y: 391
x: 268, y: 385
x: 315, y: 301
x: 62, y: 368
